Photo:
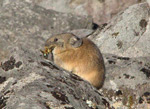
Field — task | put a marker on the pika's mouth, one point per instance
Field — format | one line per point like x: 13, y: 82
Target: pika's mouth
x: 47, y: 50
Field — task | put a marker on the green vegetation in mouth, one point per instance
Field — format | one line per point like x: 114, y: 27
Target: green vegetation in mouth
x: 46, y: 51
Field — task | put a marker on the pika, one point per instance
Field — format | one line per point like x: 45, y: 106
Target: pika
x: 77, y: 55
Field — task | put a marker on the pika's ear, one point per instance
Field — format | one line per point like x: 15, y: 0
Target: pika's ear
x: 75, y: 42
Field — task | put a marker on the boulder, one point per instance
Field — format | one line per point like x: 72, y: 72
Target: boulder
x: 27, y: 81
x: 100, y: 10
x: 127, y: 81
x: 125, y: 43
x: 127, y: 34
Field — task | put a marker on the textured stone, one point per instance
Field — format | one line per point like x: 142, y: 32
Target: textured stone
x: 27, y: 81
x: 100, y: 10
x: 127, y: 32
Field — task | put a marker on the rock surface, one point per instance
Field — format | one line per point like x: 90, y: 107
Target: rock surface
x: 125, y: 43
x: 125, y: 34
x: 100, y: 10
x: 127, y: 80
x: 27, y: 81
x: 36, y: 22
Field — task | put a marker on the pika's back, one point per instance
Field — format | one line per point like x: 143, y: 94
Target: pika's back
x: 79, y: 56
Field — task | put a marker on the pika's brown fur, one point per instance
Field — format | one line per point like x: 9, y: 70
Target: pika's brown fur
x: 79, y: 56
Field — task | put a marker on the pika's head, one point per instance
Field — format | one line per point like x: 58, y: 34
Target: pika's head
x: 62, y: 42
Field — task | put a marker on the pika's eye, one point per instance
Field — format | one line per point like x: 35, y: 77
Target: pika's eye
x: 55, y: 40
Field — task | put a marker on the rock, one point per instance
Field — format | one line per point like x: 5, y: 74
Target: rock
x: 124, y: 43
x: 39, y: 85
x: 82, y: 32
x: 148, y: 1
x: 125, y: 34
x: 127, y: 81
x: 100, y: 10
x: 60, y: 22
x: 26, y: 21
x: 27, y: 81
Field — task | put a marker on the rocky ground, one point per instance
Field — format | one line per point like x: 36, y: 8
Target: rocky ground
x: 122, y: 32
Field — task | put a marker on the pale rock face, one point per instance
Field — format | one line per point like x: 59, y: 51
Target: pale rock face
x: 125, y: 43
x: 25, y: 76
x: 125, y: 34
x: 27, y: 81
x: 148, y: 1
x: 100, y: 10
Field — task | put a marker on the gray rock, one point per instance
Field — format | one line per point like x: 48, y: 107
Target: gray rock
x: 124, y: 43
x: 148, y: 1
x: 51, y: 4
x: 125, y: 34
x: 24, y: 18
x: 100, y: 10
x: 27, y: 81
x: 82, y: 32
x: 127, y: 82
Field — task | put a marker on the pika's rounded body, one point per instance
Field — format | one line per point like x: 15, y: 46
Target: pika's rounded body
x: 79, y: 56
